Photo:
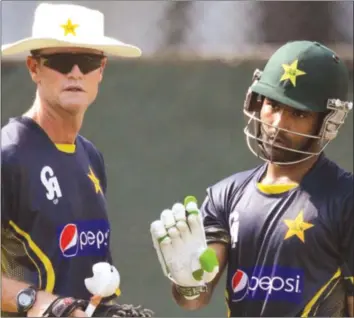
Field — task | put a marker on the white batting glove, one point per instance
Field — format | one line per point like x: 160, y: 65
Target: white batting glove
x: 181, y: 247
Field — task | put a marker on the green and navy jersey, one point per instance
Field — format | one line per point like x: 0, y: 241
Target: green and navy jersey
x: 54, y: 212
x: 290, y: 250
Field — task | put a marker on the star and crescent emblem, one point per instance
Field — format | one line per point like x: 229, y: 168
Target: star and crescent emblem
x: 95, y: 181
x: 297, y: 227
x: 291, y: 72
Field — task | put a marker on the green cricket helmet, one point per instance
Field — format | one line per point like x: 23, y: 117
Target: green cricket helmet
x: 306, y: 76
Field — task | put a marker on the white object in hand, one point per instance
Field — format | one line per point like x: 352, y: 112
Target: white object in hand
x: 181, y: 246
x: 104, y: 283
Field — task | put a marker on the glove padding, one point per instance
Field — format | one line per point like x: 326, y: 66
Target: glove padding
x: 64, y: 306
x: 180, y: 243
x: 125, y: 310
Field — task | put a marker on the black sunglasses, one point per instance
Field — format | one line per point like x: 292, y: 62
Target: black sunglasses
x: 64, y: 62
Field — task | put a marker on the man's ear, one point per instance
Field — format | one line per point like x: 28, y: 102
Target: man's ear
x: 103, y: 66
x: 33, y: 68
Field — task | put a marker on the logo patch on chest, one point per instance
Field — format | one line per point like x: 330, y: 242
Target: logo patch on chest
x: 50, y: 182
x: 267, y: 283
x: 95, y: 181
x: 83, y: 238
x: 297, y: 227
x: 234, y: 224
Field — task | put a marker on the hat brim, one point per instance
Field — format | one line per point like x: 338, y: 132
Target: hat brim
x: 279, y: 96
x: 108, y: 45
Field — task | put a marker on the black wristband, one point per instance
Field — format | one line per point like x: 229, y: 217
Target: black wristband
x: 64, y: 306
x: 190, y: 291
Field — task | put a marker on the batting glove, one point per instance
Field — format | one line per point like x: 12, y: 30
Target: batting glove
x: 180, y: 243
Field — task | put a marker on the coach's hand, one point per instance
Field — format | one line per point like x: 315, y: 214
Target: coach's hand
x: 181, y: 247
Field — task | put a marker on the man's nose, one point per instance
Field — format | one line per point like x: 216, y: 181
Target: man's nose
x: 280, y: 119
x: 75, y: 72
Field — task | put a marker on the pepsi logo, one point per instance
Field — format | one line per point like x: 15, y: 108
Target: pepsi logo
x: 88, y: 238
x: 68, y: 241
x: 239, y: 285
x: 267, y: 283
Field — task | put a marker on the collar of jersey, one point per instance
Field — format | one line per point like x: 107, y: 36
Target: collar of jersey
x: 67, y: 148
x: 271, y: 189
x: 276, y: 188
x: 279, y: 189
x: 29, y: 122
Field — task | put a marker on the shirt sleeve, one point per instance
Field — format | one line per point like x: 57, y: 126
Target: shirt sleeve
x: 214, y: 220
x: 10, y: 177
x: 347, y: 244
x: 4, y: 201
x: 103, y: 173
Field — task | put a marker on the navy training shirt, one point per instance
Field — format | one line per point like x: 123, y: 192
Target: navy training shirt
x: 54, y: 216
x: 290, y: 253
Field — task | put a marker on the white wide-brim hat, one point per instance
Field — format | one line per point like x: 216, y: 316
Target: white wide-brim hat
x: 69, y: 25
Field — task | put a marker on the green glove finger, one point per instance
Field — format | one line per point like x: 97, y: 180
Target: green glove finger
x: 208, y: 260
x: 198, y: 274
x: 162, y: 238
x: 189, y: 199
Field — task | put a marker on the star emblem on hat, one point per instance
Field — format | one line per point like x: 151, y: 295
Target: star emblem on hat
x: 69, y: 28
x: 291, y: 72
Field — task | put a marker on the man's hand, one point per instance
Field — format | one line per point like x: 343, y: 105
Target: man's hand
x: 46, y: 304
x: 350, y: 301
x: 180, y: 243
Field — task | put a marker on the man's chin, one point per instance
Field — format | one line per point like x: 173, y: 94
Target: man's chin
x: 75, y: 107
x: 275, y: 154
